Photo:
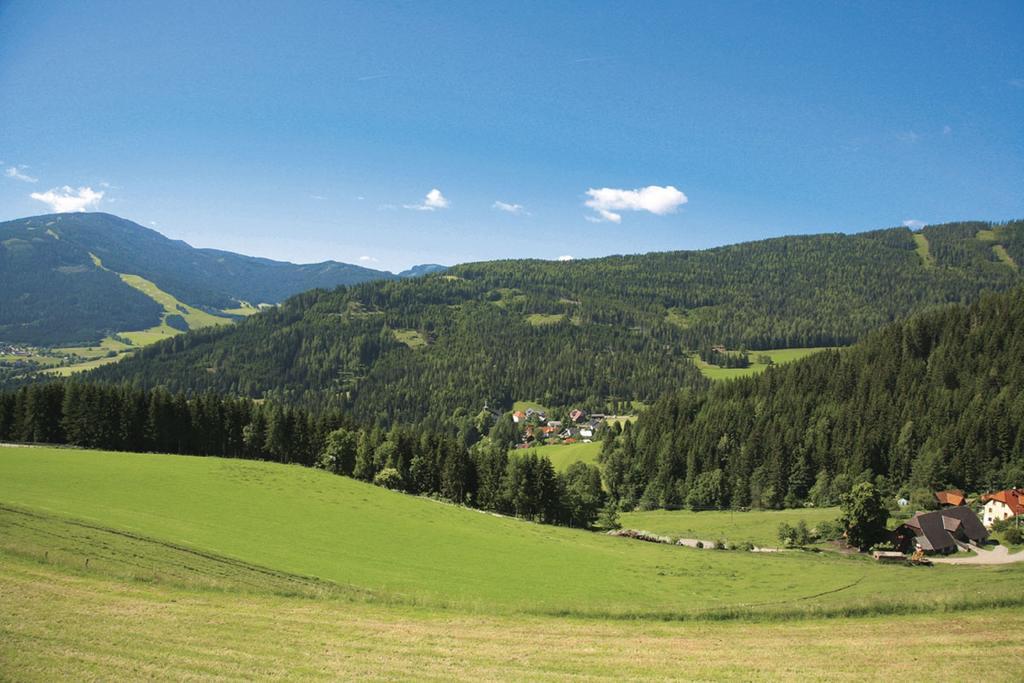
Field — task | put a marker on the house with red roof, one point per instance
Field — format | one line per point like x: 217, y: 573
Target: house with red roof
x: 1002, y: 505
x: 952, y: 498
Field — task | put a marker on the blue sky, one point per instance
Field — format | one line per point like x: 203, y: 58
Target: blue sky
x: 309, y: 131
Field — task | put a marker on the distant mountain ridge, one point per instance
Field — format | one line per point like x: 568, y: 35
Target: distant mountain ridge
x: 60, y: 277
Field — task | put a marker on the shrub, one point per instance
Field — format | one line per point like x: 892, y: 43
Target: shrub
x: 828, y: 531
x: 719, y: 544
x: 1014, y: 535
x: 700, y: 544
x: 389, y: 478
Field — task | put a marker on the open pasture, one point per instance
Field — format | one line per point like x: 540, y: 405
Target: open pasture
x: 760, y: 527
x: 59, y: 622
x: 417, y: 551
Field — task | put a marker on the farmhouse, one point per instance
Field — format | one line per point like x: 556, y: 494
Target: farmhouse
x: 951, y: 498
x: 941, y: 531
x: 518, y: 416
x: 1002, y: 505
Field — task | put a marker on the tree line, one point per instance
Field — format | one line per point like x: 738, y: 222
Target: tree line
x: 412, y: 460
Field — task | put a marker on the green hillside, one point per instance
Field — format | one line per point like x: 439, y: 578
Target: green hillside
x: 399, y: 549
x: 931, y: 402
x: 55, y: 291
x: 616, y: 329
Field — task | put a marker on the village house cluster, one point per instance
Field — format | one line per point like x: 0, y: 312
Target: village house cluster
x: 537, y: 429
x: 955, y: 524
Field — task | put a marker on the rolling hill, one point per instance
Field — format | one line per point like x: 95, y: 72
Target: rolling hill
x: 64, y: 278
x: 599, y: 332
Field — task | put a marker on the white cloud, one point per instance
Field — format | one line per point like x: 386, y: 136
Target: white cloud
x: 368, y: 259
x: 566, y: 257
x: 913, y: 224
x: 16, y: 173
x: 433, y: 201
x: 510, y: 208
x: 908, y: 136
x: 947, y: 130
x: 606, y: 201
x: 66, y: 200
x: 1016, y: 82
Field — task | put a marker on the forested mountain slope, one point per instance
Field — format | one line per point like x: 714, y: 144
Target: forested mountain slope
x: 54, y: 291
x: 936, y: 400
x: 597, y: 332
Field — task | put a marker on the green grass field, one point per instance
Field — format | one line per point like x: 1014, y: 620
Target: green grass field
x: 760, y: 527
x: 779, y: 356
x: 563, y: 455
x: 120, y: 565
x: 61, y: 622
x: 416, y: 551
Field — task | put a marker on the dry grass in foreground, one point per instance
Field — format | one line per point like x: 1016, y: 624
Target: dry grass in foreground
x: 56, y: 623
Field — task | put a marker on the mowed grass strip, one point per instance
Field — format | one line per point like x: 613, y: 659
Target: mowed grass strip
x: 417, y: 551
x: 57, y: 625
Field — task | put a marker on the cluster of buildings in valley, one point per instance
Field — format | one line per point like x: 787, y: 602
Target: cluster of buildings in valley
x: 956, y: 524
x: 537, y: 429
x: 14, y: 350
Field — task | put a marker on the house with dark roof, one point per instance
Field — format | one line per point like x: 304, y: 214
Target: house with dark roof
x: 951, y: 498
x: 1002, y: 505
x: 940, y: 531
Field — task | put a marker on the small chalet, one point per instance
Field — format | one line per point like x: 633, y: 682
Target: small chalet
x: 1002, y: 505
x: 518, y: 416
x: 577, y: 415
x: 940, y: 531
x: 952, y: 498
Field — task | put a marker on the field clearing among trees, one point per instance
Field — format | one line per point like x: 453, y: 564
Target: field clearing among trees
x: 414, y: 551
x: 778, y: 356
x: 563, y: 455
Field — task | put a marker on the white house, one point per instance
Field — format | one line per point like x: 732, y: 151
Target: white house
x: 1002, y: 505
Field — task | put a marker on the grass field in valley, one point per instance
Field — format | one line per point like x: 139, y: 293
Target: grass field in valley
x: 58, y: 622
x: 416, y: 551
x: 563, y: 455
x: 760, y: 527
x: 778, y: 357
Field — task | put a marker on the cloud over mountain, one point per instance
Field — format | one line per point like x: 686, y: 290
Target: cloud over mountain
x: 607, y: 201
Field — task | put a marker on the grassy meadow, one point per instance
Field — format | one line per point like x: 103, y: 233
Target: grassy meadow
x: 563, y: 455
x: 417, y: 551
x: 778, y: 356
x: 118, y: 565
x: 112, y: 628
x: 760, y: 527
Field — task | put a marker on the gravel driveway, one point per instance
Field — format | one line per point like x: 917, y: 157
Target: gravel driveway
x: 998, y: 555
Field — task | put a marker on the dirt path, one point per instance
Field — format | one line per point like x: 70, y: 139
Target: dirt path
x: 998, y: 555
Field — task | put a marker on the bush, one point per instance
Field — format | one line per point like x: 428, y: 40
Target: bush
x: 748, y: 546
x: 1014, y: 535
x: 389, y: 478
x: 700, y: 544
x: 828, y: 531
x: 719, y: 544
